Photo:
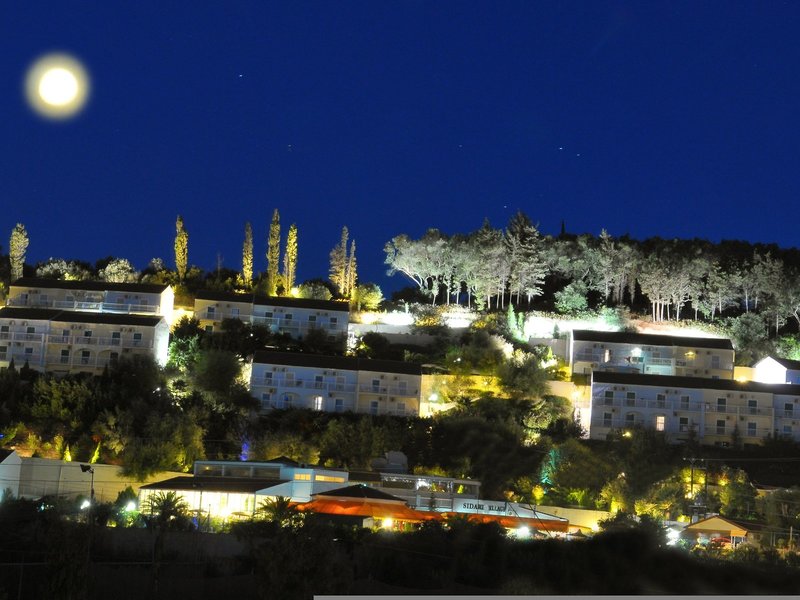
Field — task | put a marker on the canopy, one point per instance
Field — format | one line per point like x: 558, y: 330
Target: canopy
x: 366, y: 508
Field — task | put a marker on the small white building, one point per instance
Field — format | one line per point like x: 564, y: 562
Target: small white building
x: 777, y: 370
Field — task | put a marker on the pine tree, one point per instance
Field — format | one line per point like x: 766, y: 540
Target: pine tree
x: 351, y: 276
x: 273, y: 254
x: 17, y: 247
x: 181, y: 248
x: 247, y: 256
x: 290, y: 260
x: 338, y: 256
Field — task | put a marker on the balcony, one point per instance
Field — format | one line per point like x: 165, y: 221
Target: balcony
x: 307, y: 384
x: 80, y: 340
x: 384, y: 390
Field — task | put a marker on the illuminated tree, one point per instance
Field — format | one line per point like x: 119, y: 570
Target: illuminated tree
x: 366, y: 296
x: 247, y: 256
x: 118, y: 270
x: 527, y: 268
x: 17, y: 247
x: 273, y: 253
x: 290, y: 260
x: 351, y: 274
x: 181, y: 248
x: 338, y: 258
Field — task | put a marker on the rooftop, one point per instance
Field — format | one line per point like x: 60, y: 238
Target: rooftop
x: 650, y: 339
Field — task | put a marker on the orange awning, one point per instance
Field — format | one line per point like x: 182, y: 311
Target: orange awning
x: 365, y: 508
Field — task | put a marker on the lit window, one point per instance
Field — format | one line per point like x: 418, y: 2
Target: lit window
x: 660, y: 422
x: 302, y: 476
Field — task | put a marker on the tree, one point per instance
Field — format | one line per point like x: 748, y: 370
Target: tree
x: 273, y: 254
x: 315, y: 290
x: 290, y: 260
x: 247, y: 256
x: 118, y: 270
x: 181, y: 248
x: 281, y: 510
x: 17, y: 247
x: 366, y: 296
x: 351, y: 273
x: 339, y: 261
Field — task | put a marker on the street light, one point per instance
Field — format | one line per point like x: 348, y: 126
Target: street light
x: 89, y: 469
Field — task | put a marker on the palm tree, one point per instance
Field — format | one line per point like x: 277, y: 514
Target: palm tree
x: 281, y: 510
x: 166, y: 508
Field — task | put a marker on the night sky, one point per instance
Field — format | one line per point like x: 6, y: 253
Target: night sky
x: 676, y: 119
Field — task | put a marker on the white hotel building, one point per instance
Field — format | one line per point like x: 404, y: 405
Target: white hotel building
x: 713, y: 410
x: 335, y: 384
x: 61, y: 341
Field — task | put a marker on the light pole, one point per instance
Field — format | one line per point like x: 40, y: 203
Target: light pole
x: 89, y: 469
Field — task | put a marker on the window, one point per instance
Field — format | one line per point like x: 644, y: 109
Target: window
x: 211, y: 311
x: 235, y: 313
x: 402, y: 386
x: 137, y: 339
x: 715, y: 361
x: 312, y: 320
x: 609, y: 397
x: 85, y: 356
x: 788, y: 409
x: 28, y: 353
x: 720, y: 426
x: 318, y: 382
x: 268, y: 378
x: 302, y: 476
x: 266, y: 399
x: 661, y: 400
x: 401, y: 408
x: 683, y: 424
x: 373, y: 407
x: 752, y: 407
x: 3, y: 328
x: 334, y: 321
x: 630, y: 399
x: 721, y: 404
x: 751, y: 429
x: 64, y: 358
x: 330, y: 478
x: 209, y: 329
x: 607, y: 416
x: 30, y: 330
x: 87, y: 333
x: 787, y: 430
x: 630, y: 419
x: 288, y: 316
x: 338, y: 405
x: 684, y: 402
x: 660, y: 422
x: 376, y: 384
x: 287, y: 401
x: 319, y: 403
x: 115, y: 338
x: 114, y: 356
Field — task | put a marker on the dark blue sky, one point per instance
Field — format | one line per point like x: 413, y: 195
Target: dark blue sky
x: 677, y: 119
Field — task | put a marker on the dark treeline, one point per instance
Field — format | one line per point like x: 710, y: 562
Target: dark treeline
x: 491, y: 267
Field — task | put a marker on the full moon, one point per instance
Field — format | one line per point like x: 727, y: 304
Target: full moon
x: 57, y: 86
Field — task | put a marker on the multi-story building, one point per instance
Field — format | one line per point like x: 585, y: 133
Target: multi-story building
x: 714, y: 411
x: 650, y: 354
x: 335, y: 384
x: 93, y: 296
x: 62, y: 341
x: 293, y: 316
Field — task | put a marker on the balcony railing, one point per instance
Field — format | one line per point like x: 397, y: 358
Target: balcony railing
x: 80, y: 340
x: 307, y: 384
x: 384, y: 390
x: 87, y: 305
